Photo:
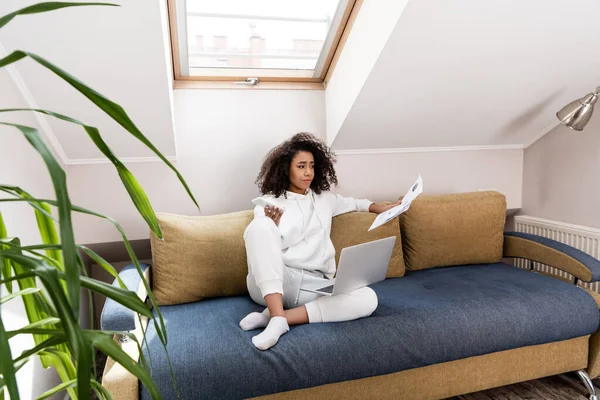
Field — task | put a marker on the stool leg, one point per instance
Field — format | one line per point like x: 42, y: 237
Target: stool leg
x: 588, y: 384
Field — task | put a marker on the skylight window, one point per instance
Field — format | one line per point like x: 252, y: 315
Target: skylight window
x: 269, y: 40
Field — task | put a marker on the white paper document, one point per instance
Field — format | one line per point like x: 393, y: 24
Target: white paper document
x: 392, y: 213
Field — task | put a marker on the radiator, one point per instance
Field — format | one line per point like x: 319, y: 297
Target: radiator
x: 583, y: 238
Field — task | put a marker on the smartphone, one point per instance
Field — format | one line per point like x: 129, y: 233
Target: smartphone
x: 259, y: 201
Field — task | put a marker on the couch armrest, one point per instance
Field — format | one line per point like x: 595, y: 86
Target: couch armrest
x: 116, y: 317
x: 553, y: 253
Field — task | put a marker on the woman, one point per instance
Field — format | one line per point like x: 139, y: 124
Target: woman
x: 287, y: 249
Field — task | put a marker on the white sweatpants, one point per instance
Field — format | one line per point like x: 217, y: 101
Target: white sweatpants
x: 268, y: 274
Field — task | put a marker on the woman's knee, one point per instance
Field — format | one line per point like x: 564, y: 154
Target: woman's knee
x: 259, y: 227
x: 366, y: 300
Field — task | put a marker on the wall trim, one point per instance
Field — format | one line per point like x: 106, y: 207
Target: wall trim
x: 126, y: 160
x: 46, y: 131
x: 429, y: 149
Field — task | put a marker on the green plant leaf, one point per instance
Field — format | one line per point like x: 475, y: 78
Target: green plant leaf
x: 107, y: 345
x: 18, y: 294
x: 50, y: 278
x: 6, y: 365
x: 103, y: 264
x: 5, y: 267
x: 101, y: 391
x: 64, y: 208
x: 122, y: 296
x: 92, y: 254
x: 26, y: 330
x: 24, y: 275
x: 30, y: 249
x: 160, y: 329
x: 45, y: 221
x: 58, y: 388
x: 37, y: 306
x: 62, y: 363
x: 158, y: 320
x: 53, y: 341
x: 48, y: 234
x: 43, y: 322
x: 134, y: 189
x: 18, y: 192
x: 114, y: 110
x: 45, y: 7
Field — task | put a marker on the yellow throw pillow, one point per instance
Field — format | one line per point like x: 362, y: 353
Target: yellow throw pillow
x: 351, y: 229
x: 453, y: 229
x: 199, y: 257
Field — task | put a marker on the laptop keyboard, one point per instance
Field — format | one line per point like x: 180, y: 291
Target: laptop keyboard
x: 326, y: 289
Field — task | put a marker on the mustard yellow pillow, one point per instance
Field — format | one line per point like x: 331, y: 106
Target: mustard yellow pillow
x: 453, y: 229
x: 199, y: 257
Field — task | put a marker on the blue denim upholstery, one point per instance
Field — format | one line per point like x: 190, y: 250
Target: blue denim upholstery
x: 427, y: 317
x: 116, y: 317
x: 590, y: 262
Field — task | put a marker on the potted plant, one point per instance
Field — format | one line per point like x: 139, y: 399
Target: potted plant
x: 49, y: 277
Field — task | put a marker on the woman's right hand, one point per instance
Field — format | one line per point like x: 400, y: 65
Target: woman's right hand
x: 274, y: 213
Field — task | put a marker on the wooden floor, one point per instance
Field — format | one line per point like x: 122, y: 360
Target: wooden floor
x: 558, y: 387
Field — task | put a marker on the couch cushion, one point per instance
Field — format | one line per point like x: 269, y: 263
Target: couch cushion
x: 205, y: 256
x: 424, y: 318
x: 453, y: 229
x: 199, y: 257
x: 352, y: 228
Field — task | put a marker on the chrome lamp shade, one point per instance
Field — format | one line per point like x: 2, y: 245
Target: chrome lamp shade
x: 577, y: 113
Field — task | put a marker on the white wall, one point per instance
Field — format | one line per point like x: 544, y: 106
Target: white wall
x: 20, y: 165
x: 385, y: 177
x: 561, y: 176
x: 222, y: 137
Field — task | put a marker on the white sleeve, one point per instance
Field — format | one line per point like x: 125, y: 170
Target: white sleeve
x: 342, y: 205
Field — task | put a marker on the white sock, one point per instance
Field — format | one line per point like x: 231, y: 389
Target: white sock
x: 255, y: 320
x: 268, y: 338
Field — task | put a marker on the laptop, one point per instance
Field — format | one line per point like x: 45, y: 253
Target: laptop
x: 359, y: 266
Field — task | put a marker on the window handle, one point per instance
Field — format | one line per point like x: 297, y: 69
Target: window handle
x: 248, y: 82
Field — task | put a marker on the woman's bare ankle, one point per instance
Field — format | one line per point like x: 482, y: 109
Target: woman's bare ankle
x: 274, y: 303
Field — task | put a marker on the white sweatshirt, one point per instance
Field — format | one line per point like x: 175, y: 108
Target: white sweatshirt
x: 305, y: 234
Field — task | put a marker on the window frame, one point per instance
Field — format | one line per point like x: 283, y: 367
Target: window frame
x: 220, y: 80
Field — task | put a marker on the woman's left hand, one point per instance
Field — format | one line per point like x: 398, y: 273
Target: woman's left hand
x: 379, y: 208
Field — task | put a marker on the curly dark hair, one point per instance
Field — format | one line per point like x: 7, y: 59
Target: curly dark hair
x: 274, y: 174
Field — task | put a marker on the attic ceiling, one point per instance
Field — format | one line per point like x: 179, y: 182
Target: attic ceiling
x: 118, y: 51
x: 452, y: 73
x: 475, y: 73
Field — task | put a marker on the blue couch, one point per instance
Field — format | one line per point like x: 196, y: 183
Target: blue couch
x: 429, y: 320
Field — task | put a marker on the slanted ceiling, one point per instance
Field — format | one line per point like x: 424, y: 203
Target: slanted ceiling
x: 452, y: 73
x: 475, y: 73
x: 118, y: 51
